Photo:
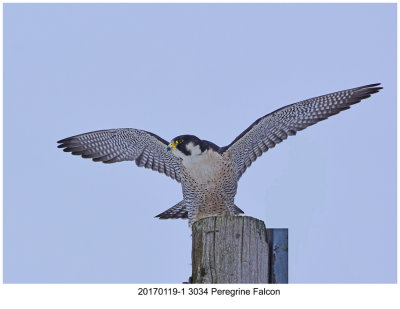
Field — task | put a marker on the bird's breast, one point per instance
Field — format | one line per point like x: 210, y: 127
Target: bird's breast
x: 204, y: 168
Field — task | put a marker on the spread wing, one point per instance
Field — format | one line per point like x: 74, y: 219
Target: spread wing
x: 275, y: 127
x: 116, y: 145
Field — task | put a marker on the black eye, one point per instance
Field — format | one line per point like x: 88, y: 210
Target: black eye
x: 181, y: 141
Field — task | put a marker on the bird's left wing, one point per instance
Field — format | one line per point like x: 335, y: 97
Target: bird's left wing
x: 275, y: 127
x: 116, y: 145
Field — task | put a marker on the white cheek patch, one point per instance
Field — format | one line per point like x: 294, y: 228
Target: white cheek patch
x: 195, y: 153
x: 194, y: 150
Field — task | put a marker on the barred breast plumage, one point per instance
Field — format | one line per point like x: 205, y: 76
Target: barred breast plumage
x: 209, y: 185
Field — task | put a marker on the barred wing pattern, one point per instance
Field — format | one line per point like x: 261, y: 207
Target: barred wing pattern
x: 275, y: 127
x: 116, y: 145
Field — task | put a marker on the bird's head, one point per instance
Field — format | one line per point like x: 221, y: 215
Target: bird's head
x: 185, y: 146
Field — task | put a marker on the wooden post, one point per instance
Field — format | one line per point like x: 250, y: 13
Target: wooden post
x: 231, y: 249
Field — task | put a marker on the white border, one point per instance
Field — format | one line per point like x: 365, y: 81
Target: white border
x: 125, y: 295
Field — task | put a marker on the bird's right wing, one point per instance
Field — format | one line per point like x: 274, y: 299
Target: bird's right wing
x: 275, y: 127
x: 115, y: 145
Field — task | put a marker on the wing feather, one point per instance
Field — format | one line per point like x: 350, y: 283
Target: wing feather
x: 116, y: 145
x: 275, y: 127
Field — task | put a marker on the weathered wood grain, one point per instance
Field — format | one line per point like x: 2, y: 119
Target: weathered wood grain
x: 230, y: 249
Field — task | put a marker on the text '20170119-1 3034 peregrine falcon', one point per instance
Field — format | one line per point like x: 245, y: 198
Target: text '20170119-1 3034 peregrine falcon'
x: 209, y: 174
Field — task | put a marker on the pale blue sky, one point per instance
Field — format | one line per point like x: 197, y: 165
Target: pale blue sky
x: 207, y: 70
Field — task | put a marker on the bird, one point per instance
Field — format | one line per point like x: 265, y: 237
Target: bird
x: 209, y: 174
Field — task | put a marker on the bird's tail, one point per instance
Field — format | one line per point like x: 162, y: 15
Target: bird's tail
x: 237, y: 211
x: 179, y: 211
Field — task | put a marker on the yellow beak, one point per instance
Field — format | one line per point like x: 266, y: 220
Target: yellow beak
x: 171, y: 146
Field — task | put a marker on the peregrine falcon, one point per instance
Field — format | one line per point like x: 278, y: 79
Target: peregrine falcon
x: 209, y: 174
